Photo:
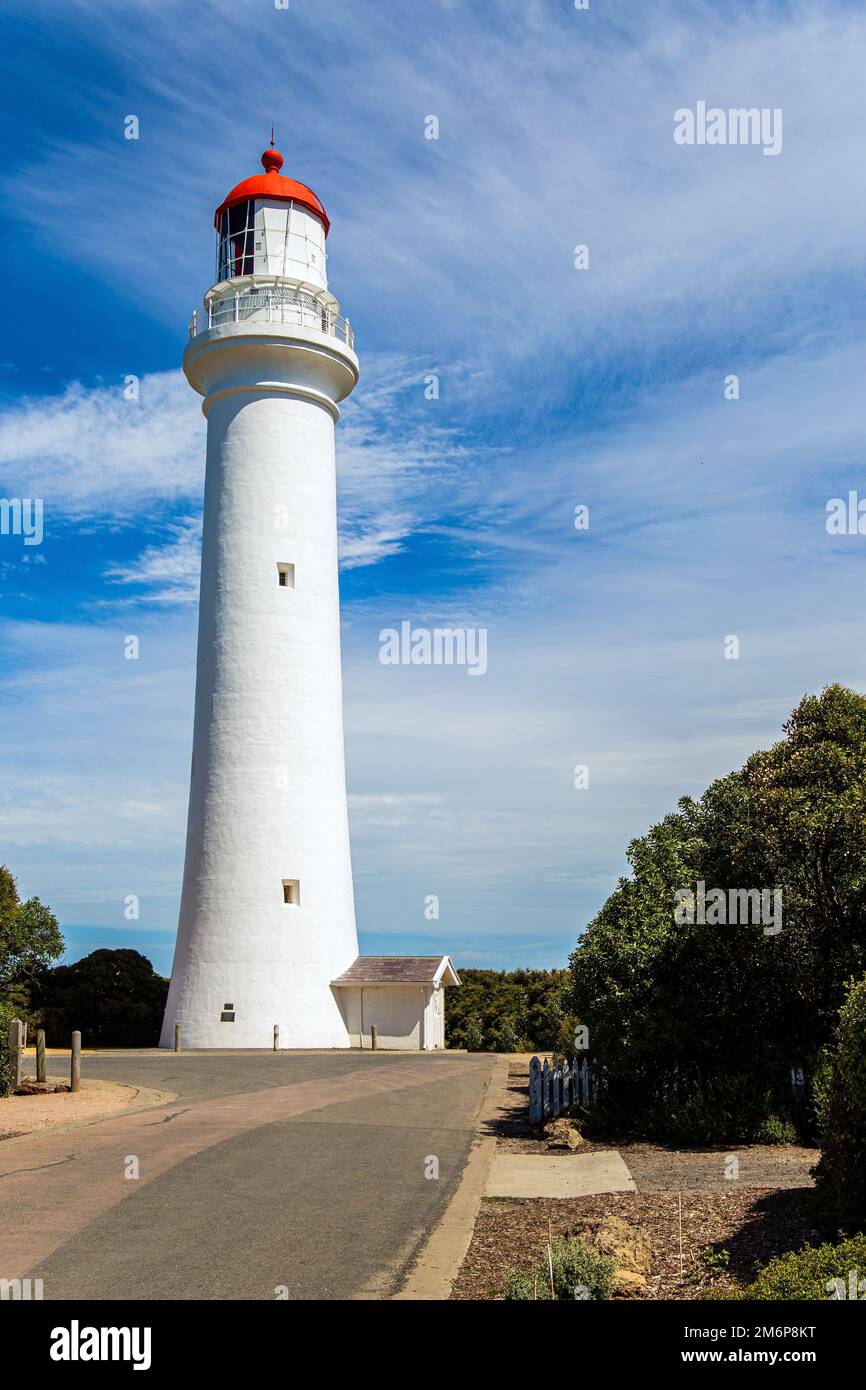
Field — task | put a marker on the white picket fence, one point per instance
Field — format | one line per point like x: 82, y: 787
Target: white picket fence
x: 554, y: 1090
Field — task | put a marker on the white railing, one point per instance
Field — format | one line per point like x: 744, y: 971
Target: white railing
x: 295, y: 307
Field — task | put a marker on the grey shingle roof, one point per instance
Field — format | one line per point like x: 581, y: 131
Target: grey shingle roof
x: 396, y: 970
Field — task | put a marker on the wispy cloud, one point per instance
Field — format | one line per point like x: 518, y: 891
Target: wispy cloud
x: 166, y: 573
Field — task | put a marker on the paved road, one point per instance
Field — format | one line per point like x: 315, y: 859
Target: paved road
x: 301, y: 1171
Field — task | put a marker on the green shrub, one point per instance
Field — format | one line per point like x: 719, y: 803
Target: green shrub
x: 777, y: 1129
x: 805, y: 1274
x: 692, y: 1107
x: 841, y: 1172
x: 7, y: 1064
x: 579, y: 1272
x: 506, y: 1010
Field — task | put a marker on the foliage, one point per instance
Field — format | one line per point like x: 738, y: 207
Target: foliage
x: 841, y: 1173
x: 507, y: 1010
x: 579, y: 1272
x: 29, y: 936
x: 698, y: 1024
x: 114, y: 998
x: 7, y: 1064
x: 806, y: 1273
x: 710, y: 1264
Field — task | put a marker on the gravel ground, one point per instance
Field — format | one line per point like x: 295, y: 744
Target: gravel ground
x: 25, y: 1114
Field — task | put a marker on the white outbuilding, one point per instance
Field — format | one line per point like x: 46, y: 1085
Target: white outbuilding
x: 402, y: 997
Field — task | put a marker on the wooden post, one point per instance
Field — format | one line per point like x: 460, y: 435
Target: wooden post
x: 566, y: 1085
x: 374, y: 1037
x: 585, y: 1074
x: 40, y: 1054
x: 536, y: 1107
x: 276, y: 1037
x: 177, y: 1037
x: 545, y: 1084
x: 557, y: 1082
x: 75, y: 1071
x: 16, y: 1043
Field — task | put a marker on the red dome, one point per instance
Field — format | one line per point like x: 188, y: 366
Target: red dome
x: 273, y: 184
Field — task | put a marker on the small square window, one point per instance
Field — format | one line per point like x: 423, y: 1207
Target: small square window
x: 292, y: 892
x: 286, y: 576
x: 227, y: 1016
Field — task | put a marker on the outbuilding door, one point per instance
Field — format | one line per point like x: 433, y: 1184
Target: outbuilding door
x: 396, y: 1012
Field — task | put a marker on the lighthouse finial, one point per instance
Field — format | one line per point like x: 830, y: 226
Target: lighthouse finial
x: 272, y: 160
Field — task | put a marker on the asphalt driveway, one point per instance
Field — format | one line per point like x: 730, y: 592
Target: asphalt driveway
x: 299, y: 1175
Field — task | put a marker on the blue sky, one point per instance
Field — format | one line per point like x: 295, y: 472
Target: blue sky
x: 558, y: 387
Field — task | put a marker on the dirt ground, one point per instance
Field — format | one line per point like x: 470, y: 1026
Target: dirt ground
x: 25, y: 1114
x: 752, y: 1225
x: 730, y: 1224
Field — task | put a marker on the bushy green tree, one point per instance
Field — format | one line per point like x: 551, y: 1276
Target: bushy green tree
x: 114, y: 998
x: 29, y: 937
x: 505, y: 1010
x: 697, y: 1024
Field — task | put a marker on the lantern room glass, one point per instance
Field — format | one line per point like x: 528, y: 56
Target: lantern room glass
x: 235, y: 244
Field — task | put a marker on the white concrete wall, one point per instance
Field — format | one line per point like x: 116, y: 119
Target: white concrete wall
x: 407, y: 1016
x: 268, y: 794
x: 349, y: 1004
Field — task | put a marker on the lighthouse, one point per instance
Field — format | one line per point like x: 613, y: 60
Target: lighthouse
x: 267, y: 916
x: 267, y: 948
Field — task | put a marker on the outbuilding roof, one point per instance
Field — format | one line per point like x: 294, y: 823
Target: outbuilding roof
x: 399, y: 970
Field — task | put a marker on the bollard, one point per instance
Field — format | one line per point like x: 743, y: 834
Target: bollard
x: 177, y: 1037
x: 16, y: 1044
x: 40, y: 1054
x: 276, y: 1037
x: 75, y: 1072
x: 374, y: 1037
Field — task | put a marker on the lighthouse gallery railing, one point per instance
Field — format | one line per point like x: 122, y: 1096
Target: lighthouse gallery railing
x: 294, y: 307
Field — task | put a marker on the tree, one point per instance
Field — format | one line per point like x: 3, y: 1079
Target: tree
x: 505, y: 1010
x: 697, y: 1022
x: 114, y: 998
x: 29, y: 936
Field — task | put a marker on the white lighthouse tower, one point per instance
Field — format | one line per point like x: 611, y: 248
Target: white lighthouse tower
x: 267, y: 919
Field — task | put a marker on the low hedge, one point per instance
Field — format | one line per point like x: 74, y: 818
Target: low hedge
x: 841, y: 1173
x: 817, y: 1272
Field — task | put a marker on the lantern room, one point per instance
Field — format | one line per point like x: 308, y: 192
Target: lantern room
x: 274, y: 226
